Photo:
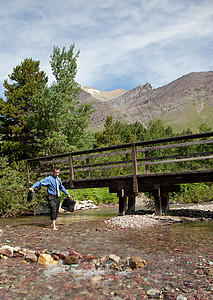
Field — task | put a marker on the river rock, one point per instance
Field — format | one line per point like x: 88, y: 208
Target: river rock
x: 95, y: 279
x: 104, y: 258
x: 46, y: 259
x: 86, y: 204
x: 2, y: 256
x: 17, y: 249
x: 23, y: 252
x: 7, y: 250
x: 114, y: 258
x: 64, y: 254
x: 114, y: 266
x: 87, y: 266
x: 136, y: 262
x: 76, y: 254
x: 153, y: 293
x: 31, y: 257
x: 181, y: 297
x: 71, y: 260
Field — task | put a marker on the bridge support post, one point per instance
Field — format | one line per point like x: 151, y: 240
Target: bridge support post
x: 165, y: 201
x: 157, y: 197
x: 131, y: 204
x: 122, y: 202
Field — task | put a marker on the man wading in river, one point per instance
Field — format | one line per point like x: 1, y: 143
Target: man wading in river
x: 53, y: 184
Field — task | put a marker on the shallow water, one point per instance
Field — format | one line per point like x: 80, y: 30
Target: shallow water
x: 64, y: 218
x: 179, y: 259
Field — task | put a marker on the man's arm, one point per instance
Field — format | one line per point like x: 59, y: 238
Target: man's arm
x: 43, y: 182
x: 62, y: 188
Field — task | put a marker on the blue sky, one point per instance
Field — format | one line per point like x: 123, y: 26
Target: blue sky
x: 122, y: 43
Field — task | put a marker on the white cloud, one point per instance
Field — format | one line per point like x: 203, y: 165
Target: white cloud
x: 121, y: 43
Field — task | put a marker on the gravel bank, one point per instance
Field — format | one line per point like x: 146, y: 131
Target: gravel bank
x: 144, y: 218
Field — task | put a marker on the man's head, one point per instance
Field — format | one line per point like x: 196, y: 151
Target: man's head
x: 56, y: 171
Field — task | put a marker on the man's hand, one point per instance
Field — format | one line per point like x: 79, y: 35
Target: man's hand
x: 31, y: 190
x: 69, y: 197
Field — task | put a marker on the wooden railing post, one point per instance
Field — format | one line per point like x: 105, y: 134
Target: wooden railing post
x: 88, y: 169
x: 134, y: 170
x: 28, y: 173
x: 147, y: 168
x: 71, y: 170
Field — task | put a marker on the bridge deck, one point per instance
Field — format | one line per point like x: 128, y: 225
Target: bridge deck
x: 145, y: 181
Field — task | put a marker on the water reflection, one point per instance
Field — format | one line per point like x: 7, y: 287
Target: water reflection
x: 64, y: 218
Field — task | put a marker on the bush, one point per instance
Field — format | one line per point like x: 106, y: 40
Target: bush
x: 97, y: 195
x: 193, y: 192
x: 13, y: 190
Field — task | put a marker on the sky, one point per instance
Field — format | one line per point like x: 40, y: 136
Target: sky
x: 122, y: 43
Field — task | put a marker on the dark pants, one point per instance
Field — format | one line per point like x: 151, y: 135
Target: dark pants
x: 54, y: 203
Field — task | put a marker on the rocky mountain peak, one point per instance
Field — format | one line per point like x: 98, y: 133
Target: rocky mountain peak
x: 186, y: 102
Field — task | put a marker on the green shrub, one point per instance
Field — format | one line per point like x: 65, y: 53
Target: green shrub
x: 193, y: 192
x: 13, y: 190
x: 97, y: 195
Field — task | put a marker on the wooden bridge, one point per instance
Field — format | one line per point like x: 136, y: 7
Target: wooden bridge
x: 156, y: 166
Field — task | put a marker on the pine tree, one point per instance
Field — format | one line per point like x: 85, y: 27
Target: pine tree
x: 59, y: 120
x: 25, y: 80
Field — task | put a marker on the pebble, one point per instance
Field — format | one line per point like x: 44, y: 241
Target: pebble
x: 181, y: 297
x: 145, y: 220
x: 153, y: 292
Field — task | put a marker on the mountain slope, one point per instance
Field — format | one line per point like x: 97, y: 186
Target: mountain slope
x: 184, y: 103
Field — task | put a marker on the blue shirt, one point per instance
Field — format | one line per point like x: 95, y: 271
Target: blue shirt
x: 50, y: 183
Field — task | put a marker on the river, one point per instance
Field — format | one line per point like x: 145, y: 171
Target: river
x: 179, y: 259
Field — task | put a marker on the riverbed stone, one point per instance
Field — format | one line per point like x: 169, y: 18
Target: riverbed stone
x: 23, y: 252
x: 71, y: 260
x: 7, y: 250
x: 96, y: 279
x: 76, y: 254
x: 64, y: 254
x: 181, y: 297
x: 153, y: 293
x: 104, y: 259
x: 114, y: 258
x: 31, y: 257
x: 16, y: 249
x: 87, y: 266
x: 46, y: 259
x: 114, y: 266
x: 136, y: 262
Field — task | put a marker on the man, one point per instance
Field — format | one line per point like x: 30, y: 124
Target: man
x: 53, y: 184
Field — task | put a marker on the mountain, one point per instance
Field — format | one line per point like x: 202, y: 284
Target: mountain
x: 184, y: 103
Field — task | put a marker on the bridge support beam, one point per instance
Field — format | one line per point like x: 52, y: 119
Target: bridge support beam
x: 165, y: 201
x: 131, y: 204
x: 157, y: 197
x: 122, y: 202
x: 161, y: 196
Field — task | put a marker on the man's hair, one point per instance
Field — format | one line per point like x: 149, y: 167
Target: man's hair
x: 56, y: 168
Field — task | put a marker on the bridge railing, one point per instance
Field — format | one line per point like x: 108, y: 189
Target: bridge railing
x: 191, y: 152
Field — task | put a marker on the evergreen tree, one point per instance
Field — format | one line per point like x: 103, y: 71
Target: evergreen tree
x: 60, y: 120
x: 108, y: 136
x: 25, y: 80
